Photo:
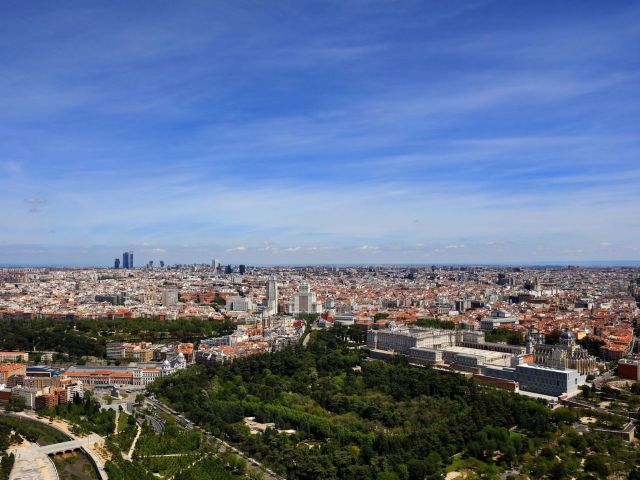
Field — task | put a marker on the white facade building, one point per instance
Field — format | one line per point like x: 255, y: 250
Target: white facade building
x: 169, y: 297
x: 304, y: 301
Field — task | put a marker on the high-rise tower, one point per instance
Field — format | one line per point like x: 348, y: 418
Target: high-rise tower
x: 127, y: 259
x: 272, y: 296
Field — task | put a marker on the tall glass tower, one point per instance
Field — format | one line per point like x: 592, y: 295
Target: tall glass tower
x: 127, y: 259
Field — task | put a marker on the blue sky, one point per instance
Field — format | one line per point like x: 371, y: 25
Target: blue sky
x: 319, y: 132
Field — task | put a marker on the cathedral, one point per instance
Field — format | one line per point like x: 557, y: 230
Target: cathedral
x: 567, y: 354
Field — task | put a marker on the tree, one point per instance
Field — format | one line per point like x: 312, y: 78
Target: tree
x: 558, y: 471
x: 592, y: 345
x: 380, y: 316
x: 565, y: 415
x: 597, y: 464
x: 16, y: 403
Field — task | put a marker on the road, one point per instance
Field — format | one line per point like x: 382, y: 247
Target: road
x: 222, y: 445
x: 156, y: 423
x: 574, y: 402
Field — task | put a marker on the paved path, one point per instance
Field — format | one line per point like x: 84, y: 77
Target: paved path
x: 129, y: 455
x: 115, y: 430
x: 32, y: 463
x: 87, y: 444
x: 191, y: 465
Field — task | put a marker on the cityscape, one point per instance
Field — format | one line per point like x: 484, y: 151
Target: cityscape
x: 337, y: 240
x: 563, y: 336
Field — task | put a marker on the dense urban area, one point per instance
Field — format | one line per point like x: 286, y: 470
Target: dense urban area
x: 345, y: 372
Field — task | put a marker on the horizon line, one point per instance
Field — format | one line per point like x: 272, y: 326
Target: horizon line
x: 547, y: 263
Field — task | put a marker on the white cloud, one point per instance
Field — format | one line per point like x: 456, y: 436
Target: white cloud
x: 35, y: 200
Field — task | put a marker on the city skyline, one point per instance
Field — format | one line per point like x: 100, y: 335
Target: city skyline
x: 483, y: 132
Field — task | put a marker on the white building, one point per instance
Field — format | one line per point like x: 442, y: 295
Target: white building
x: 73, y: 389
x: 402, y: 339
x: 239, y: 304
x: 498, y: 319
x: 169, y: 297
x: 304, y: 301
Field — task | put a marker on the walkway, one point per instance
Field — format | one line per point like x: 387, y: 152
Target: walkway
x: 87, y: 444
x: 32, y: 463
x: 79, y: 444
x: 129, y: 455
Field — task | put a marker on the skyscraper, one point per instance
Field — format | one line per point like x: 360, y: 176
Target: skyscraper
x: 127, y: 259
x: 272, y: 296
x: 304, y: 301
x: 116, y: 263
x: 215, y: 264
x: 242, y: 269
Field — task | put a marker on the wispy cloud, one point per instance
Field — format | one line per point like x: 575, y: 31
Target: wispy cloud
x: 35, y: 200
x: 382, y: 133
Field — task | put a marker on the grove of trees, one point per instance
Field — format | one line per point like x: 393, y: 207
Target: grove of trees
x: 360, y: 419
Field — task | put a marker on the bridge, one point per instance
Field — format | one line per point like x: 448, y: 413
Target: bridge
x: 34, y: 462
x: 70, y: 446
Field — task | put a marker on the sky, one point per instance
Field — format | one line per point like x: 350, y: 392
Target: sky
x: 304, y: 132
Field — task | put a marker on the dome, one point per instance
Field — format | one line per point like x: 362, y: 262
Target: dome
x: 567, y: 335
x: 166, y: 363
x: 180, y: 355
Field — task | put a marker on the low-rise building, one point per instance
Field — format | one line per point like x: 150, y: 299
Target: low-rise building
x: 9, y: 370
x: 540, y: 379
x: 498, y: 319
x: 14, y: 357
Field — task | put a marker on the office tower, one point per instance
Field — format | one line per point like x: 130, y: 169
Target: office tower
x: 242, y: 269
x: 215, y: 264
x: 304, y: 301
x: 228, y: 270
x: 116, y: 263
x: 150, y: 264
x: 161, y: 263
x: 127, y: 259
x: 272, y: 296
